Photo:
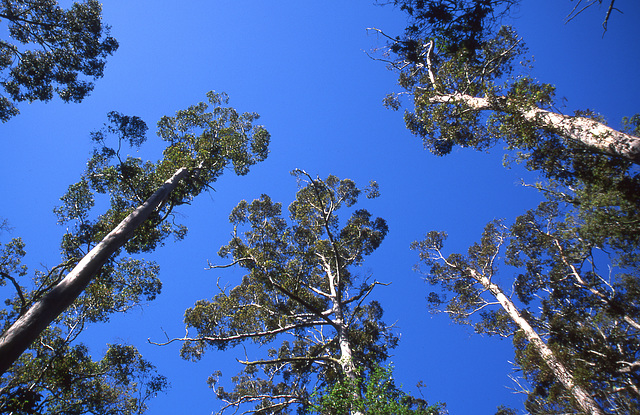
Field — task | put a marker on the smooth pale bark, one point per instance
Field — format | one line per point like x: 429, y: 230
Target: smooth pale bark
x: 584, y: 399
x: 346, y: 353
x: 29, y: 326
x: 583, y: 130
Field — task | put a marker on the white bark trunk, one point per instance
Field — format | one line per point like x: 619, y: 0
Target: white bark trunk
x: 346, y: 359
x: 346, y: 353
x: 29, y: 326
x: 584, y: 399
x: 583, y: 130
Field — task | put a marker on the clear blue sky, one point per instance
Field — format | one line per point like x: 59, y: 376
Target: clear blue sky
x: 303, y: 67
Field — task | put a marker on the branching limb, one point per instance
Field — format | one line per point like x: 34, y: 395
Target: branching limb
x: 23, y: 302
x: 583, y: 284
x: 240, y: 336
x: 290, y: 359
x: 290, y: 399
x: 236, y: 262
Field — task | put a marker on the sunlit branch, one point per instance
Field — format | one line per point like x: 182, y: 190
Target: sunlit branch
x: 290, y: 359
x: 236, y: 262
x: 252, y: 398
x: 241, y: 336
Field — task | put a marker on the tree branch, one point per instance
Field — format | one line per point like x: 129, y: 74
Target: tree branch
x: 240, y: 336
x: 291, y: 359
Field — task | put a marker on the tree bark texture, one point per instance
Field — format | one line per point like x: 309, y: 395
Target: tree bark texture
x: 584, y: 399
x: 29, y: 326
x: 586, y: 131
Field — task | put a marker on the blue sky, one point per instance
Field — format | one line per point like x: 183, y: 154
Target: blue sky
x: 303, y: 67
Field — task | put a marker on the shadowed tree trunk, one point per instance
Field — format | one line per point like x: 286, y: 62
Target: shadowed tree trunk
x: 29, y: 326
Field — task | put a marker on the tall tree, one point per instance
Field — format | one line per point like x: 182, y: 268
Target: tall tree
x: 474, y: 97
x: 576, y: 329
x: 50, y: 50
x: 301, y: 295
x: 579, y: 350
x: 203, y: 141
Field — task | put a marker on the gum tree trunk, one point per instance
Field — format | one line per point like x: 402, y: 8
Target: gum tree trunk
x: 29, y: 326
x: 584, y: 399
x: 579, y: 129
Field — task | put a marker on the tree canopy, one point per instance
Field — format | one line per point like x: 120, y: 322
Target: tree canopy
x: 573, y: 260
x: 305, y: 319
x: 303, y: 296
x: 46, y: 315
x: 48, y: 50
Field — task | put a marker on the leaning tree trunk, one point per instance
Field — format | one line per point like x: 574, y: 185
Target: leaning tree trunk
x: 584, y: 399
x: 29, y: 326
x: 582, y: 130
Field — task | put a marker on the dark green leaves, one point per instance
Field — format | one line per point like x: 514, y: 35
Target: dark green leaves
x: 71, y: 382
x: 51, y: 51
x: 298, y: 296
x: 211, y: 140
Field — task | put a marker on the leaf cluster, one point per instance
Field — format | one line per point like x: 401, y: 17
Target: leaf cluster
x: 380, y: 396
x: 59, y: 378
x: 202, y: 141
x: 51, y: 50
x: 463, y: 23
x: 299, y: 295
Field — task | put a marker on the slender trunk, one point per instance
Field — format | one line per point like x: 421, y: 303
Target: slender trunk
x: 346, y: 359
x: 346, y: 353
x: 29, y: 326
x: 579, y: 129
x: 584, y: 399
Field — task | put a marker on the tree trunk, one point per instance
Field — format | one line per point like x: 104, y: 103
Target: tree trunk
x: 346, y: 361
x: 586, y: 131
x: 584, y: 399
x: 346, y: 353
x: 29, y: 326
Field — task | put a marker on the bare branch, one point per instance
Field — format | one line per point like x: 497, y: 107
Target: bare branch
x: 290, y: 359
x: 242, y: 335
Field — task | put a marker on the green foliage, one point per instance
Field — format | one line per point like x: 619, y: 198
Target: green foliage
x: 380, y: 396
x: 299, y: 296
x: 69, y: 381
x: 463, y: 23
x: 57, y: 374
x: 632, y: 124
x: 51, y: 50
x: 577, y: 288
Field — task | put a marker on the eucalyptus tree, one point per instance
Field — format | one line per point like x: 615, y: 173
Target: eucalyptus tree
x: 48, y: 50
x: 96, y: 277
x: 475, y: 97
x: 574, y: 326
x: 302, y: 296
x: 575, y: 318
